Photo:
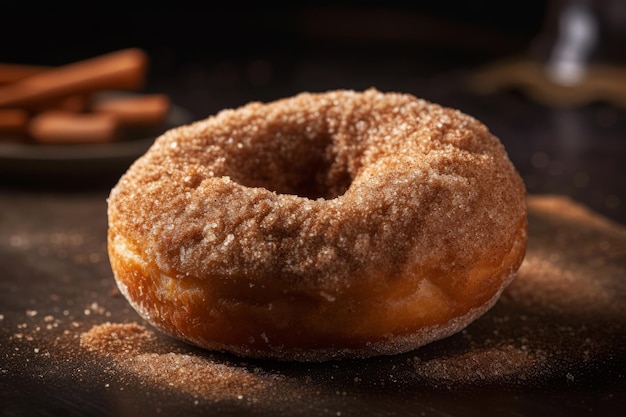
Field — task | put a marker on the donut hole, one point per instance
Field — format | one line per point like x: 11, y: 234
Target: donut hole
x: 292, y: 164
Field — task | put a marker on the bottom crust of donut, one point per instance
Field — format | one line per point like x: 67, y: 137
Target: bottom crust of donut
x: 152, y: 295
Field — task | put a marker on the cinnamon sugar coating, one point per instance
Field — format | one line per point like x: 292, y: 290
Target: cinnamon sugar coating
x: 319, y: 226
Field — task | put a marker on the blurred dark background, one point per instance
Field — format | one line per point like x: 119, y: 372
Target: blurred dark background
x: 207, y: 59
x: 263, y: 52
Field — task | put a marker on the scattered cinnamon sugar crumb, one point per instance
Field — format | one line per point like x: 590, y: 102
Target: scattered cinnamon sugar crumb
x: 136, y: 349
x: 572, y: 270
x: 481, y: 366
x: 118, y: 339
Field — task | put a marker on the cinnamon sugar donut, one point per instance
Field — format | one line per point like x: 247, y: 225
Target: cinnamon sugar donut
x: 321, y: 226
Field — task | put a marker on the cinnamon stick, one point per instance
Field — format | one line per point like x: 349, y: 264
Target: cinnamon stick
x: 55, y: 127
x: 120, y: 70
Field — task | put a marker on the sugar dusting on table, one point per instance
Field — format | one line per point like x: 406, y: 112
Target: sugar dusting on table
x: 137, y: 350
x: 482, y: 365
